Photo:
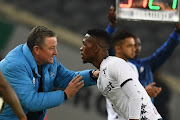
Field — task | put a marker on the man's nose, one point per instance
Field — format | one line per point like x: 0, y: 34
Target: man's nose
x: 55, y: 52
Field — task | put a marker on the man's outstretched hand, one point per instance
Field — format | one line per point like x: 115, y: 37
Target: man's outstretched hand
x: 74, y: 86
x: 177, y: 28
x: 152, y: 90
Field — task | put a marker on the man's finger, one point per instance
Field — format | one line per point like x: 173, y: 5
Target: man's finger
x: 76, y: 79
x: 153, y: 83
x: 159, y: 89
x: 80, y: 85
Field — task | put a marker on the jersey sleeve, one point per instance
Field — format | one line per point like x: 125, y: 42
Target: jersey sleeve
x: 123, y: 73
x: 132, y: 92
x: 110, y: 30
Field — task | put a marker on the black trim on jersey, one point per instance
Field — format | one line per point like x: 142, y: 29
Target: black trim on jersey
x: 125, y: 82
x: 106, y: 57
x: 92, y: 76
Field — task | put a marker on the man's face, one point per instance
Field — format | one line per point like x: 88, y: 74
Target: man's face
x: 127, y: 49
x: 48, y: 51
x: 87, y: 49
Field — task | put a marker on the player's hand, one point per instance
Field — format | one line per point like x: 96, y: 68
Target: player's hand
x: 177, y: 28
x: 152, y: 90
x: 96, y: 73
x: 111, y: 15
x: 74, y: 86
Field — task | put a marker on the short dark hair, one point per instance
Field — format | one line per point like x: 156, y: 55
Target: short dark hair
x: 120, y: 36
x: 100, y: 33
x: 37, y: 36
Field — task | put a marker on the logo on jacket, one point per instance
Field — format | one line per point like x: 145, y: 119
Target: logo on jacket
x: 51, y: 74
x: 141, y: 69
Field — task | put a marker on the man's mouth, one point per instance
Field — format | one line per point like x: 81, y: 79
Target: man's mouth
x: 81, y: 53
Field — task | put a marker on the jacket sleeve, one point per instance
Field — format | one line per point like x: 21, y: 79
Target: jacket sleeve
x: 64, y: 76
x: 164, y: 52
x: 110, y: 30
x: 30, y: 99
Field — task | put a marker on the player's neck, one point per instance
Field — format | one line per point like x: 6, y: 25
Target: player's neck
x: 122, y: 57
x: 98, y: 59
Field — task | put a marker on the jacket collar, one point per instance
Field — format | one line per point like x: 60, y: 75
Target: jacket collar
x: 30, y: 59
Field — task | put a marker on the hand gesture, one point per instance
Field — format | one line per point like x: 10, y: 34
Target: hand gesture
x: 177, y: 28
x: 74, y: 86
x: 152, y: 90
x: 111, y: 15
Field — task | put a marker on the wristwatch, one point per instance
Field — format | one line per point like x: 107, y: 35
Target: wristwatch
x: 92, y: 76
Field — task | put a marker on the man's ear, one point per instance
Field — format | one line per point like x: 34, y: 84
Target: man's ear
x: 96, y: 48
x: 36, y: 50
x: 117, y: 48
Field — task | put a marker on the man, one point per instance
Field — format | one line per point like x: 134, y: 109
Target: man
x: 33, y: 72
x: 9, y: 96
x: 124, y: 48
x: 117, y: 80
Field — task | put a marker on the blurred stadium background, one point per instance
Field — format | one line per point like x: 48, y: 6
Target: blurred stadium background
x: 71, y: 19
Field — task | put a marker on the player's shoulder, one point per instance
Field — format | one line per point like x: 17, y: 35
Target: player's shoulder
x: 115, y: 60
x: 131, y: 64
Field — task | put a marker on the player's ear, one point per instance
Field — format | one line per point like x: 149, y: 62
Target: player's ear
x: 117, y: 48
x: 96, y: 48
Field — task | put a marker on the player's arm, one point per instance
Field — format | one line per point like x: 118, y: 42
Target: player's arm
x: 11, y: 98
x: 128, y: 84
x: 177, y: 28
x: 132, y: 92
x: 111, y: 15
x: 165, y: 51
x: 112, y: 27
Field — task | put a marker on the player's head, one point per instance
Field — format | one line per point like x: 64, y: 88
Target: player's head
x: 95, y: 44
x: 124, y: 45
x: 137, y: 46
x: 42, y: 42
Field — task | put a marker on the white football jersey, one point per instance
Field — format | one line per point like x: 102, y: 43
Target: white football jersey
x: 112, y: 115
x: 118, y: 82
